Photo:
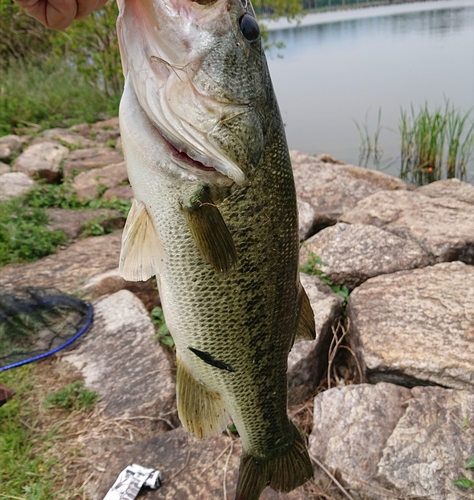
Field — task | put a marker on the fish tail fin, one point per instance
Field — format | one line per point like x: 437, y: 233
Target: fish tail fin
x: 283, y: 473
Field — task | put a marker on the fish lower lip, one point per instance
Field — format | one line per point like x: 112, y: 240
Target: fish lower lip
x: 183, y: 157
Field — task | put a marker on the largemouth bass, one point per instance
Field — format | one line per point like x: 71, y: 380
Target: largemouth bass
x: 215, y: 219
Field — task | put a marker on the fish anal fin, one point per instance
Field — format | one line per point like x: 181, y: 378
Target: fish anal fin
x: 141, y: 248
x: 306, y: 327
x: 282, y: 473
x: 201, y: 411
x: 210, y: 231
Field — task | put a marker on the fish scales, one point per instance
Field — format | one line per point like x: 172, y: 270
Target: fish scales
x: 215, y: 219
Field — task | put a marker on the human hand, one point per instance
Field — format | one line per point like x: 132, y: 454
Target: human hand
x: 59, y: 14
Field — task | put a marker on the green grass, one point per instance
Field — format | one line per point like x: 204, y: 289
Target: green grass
x: 72, y: 396
x: 162, y: 332
x: 27, y: 470
x: 49, y: 96
x: 24, y: 236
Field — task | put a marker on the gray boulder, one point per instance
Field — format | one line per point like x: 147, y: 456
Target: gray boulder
x: 42, y: 160
x: 13, y: 184
x: 416, y: 327
x: 88, y: 183
x: 390, y: 442
x: 120, y: 360
x: 10, y: 145
x: 308, y: 359
x: 451, y: 188
x: 332, y: 189
x: 356, y: 252
x: 73, y: 222
x: 66, y: 137
x: 87, y: 159
x: 443, y: 226
x: 69, y: 268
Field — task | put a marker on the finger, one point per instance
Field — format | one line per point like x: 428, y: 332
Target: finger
x: 57, y: 14
x: 85, y: 7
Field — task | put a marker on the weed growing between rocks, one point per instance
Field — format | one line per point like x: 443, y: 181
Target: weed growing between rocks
x: 312, y: 267
x: 464, y: 482
x: 24, y: 235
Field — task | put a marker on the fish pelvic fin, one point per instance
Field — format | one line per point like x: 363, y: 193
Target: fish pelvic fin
x: 306, y: 327
x: 283, y: 473
x: 201, y: 411
x: 210, y: 232
x: 141, y: 248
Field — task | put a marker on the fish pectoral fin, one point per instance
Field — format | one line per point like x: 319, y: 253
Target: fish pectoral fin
x: 306, y: 327
x: 282, y: 473
x: 210, y: 231
x: 201, y: 411
x: 141, y: 248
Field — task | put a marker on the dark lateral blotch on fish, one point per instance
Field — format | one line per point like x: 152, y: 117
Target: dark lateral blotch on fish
x: 207, y: 358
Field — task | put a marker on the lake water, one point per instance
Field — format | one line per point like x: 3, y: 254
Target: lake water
x: 341, y: 67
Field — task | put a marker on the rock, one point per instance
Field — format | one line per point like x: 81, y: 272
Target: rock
x: 451, y: 188
x: 9, y: 145
x: 306, y: 217
x: 83, y: 129
x: 333, y: 189
x: 42, y: 160
x: 13, y: 184
x: 72, y: 222
x: 416, y: 327
x: 87, y: 184
x: 442, y: 226
x: 67, y: 137
x: 325, y: 158
x: 308, y: 359
x: 111, y: 282
x: 69, y: 268
x: 106, y: 130
x: 86, y: 159
x: 356, y: 252
x: 124, y: 192
x: 390, y: 442
x: 4, y: 168
x: 192, y: 469
x: 119, y: 359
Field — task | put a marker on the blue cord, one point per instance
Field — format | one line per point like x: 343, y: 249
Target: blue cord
x: 90, y: 317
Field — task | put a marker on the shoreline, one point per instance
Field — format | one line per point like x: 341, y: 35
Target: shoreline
x: 359, y: 11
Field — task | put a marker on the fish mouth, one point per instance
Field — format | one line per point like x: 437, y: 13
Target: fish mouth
x: 182, y: 157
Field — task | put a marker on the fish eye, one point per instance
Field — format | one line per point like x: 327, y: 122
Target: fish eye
x: 249, y: 27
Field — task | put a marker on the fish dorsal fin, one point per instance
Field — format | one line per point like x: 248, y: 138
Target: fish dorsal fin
x: 306, y: 326
x: 141, y: 248
x: 201, y: 411
x: 210, y: 231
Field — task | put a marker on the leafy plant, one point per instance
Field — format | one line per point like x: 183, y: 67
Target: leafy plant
x: 72, y: 396
x: 464, y: 482
x: 162, y: 332
x: 311, y: 267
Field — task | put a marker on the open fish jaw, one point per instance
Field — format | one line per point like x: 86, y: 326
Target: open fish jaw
x: 186, y: 104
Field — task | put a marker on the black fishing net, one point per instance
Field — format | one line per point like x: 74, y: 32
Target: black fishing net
x: 37, y: 322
